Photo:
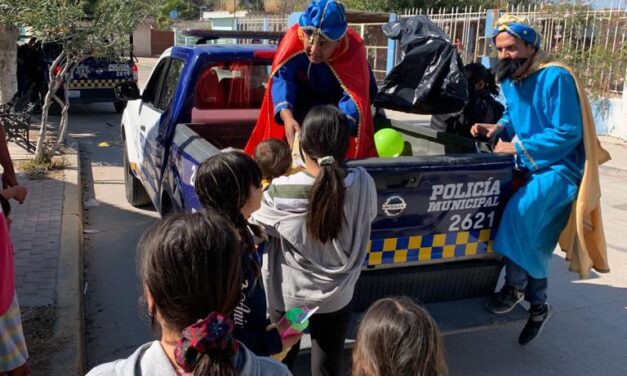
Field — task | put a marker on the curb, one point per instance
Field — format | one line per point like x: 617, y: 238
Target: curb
x: 613, y: 171
x: 69, y: 331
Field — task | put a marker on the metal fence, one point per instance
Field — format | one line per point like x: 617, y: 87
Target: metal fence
x: 593, y: 41
x: 464, y: 26
x: 264, y: 23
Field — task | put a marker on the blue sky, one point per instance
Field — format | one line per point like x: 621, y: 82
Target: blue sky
x: 600, y: 4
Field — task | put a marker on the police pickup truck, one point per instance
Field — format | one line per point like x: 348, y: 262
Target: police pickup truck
x: 95, y: 78
x: 438, y: 210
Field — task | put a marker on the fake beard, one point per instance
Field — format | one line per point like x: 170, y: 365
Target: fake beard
x: 507, y: 67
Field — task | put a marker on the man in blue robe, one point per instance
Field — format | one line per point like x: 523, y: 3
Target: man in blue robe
x: 319, y: 61
x: 542, y: 127
x: 307, y: 79
x: 300, y: 85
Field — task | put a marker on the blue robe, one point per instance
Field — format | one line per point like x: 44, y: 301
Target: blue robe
x: 299, y: 85
x: 543, y: 120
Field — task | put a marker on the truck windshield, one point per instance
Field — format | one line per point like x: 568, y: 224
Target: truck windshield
x: 233, y: 85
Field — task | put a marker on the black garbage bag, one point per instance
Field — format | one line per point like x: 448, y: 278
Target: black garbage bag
x: 430, y: 77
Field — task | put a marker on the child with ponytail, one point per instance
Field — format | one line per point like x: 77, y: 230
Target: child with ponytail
x: 191, y: 269
x: 318, y: 226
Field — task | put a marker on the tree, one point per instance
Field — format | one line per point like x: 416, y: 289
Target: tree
x: 83, y: 29
x: 184, y: 10
x: 8, y: 58
x: 8, y: 51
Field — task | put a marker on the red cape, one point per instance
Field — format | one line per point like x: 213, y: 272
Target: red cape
x: 350, y: 67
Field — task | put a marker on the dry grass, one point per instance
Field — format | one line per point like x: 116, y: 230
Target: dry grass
x: 38, y: 324
x: 35, y: 170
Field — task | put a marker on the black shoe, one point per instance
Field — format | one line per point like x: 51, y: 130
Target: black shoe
x: 537, y: 318
x: 505, y: 300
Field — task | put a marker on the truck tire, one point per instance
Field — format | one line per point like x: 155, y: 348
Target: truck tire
x: 119, y: 106
x: 135, y: 192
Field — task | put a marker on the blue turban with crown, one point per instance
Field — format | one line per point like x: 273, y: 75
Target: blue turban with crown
x: 325, y: 17
x: 519, y: 28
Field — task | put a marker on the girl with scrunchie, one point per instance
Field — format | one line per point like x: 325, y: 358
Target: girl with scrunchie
x: 191, y: 269
x: 229, y: 183
x: 318, y: 227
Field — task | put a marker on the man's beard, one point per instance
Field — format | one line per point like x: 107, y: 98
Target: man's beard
x: 507, y: 67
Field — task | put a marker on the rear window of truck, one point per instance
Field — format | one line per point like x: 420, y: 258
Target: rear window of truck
x: 232, y: 85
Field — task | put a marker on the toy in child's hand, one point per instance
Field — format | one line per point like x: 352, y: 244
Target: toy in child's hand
x: 297, y: 319
x: 291, y: 327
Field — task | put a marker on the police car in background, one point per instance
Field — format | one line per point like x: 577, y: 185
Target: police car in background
x: 95, y: 78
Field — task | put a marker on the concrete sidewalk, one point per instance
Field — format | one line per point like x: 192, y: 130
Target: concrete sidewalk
x: 46, y: 233
x: 617, y: 148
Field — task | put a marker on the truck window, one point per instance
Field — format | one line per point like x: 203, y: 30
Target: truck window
x: 170, y: 83
x: 234, y: 85
x: 149, y: 96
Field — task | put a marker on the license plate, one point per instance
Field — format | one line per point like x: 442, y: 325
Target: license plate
x: 74, y: 94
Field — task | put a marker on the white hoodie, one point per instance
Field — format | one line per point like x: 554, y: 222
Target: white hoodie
x: 302, y: 271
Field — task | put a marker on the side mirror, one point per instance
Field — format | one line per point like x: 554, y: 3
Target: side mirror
x: 127, y: 91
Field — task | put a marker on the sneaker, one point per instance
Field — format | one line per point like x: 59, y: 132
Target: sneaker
x: 505, y: 300
x: 534, y: 325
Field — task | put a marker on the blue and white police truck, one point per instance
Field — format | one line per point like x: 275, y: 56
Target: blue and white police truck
x: 437, y: 210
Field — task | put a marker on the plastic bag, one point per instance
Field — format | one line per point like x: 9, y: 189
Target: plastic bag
x: 430, y: 78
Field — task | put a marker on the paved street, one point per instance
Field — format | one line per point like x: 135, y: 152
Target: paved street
x: 115, y: 324
x: 587, y: 335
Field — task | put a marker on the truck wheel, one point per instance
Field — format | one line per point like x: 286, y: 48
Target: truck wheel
x: 135, y: 192
x: 119, y: 106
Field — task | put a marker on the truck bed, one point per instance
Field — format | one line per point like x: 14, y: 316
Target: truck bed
x: 437, y: 214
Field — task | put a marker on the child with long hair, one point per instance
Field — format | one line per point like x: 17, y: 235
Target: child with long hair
x: 398, y: 337
x: 230, y: 184
x: 191, y: 269
x: 318, y: 227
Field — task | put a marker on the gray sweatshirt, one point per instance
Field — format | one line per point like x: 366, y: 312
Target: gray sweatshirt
x: 302, y: 271
x: 150, y: 360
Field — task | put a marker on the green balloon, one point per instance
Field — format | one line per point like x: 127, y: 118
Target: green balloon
x: 389, y: 142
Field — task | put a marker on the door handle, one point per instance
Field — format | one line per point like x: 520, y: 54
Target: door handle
x: 143, y: 128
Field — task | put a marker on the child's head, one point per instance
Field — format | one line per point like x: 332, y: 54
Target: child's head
x: 273, y: 157
x: 230, y: 183
x: 324, y: 140
x: 190, y: 267
x: 398, y: 337
x: 480, y: 78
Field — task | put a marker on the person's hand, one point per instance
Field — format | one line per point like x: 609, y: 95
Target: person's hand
x: 9, y: 179
x: 290, y: 341
x: 485, y: 130
x: 19, y: 193
x: 291, y: 127
x: 505, y: 147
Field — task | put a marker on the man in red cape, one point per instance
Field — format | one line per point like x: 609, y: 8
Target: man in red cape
x: 319, y: 61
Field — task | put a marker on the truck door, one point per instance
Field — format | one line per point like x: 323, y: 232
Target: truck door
x: 153, y: 112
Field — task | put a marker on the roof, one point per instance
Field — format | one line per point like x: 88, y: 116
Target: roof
x: 222, y: 51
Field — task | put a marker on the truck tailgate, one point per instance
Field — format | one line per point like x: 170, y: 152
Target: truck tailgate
x: 437, y: 218
x: 436, y: 209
